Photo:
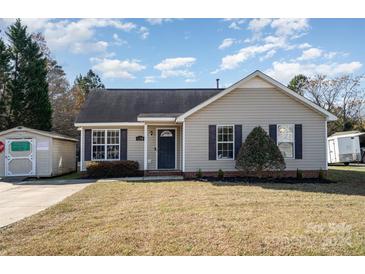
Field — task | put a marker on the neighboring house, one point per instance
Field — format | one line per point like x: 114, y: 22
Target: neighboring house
x: 190, y: 129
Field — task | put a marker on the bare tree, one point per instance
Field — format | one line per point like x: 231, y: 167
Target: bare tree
x: 342, y: 95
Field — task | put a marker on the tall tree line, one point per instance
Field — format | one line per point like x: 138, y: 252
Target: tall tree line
x: 34, y: 90
x: 24, y: 88
x: 343, y: 96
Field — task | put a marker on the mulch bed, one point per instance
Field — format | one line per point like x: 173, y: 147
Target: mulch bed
x: 255, y: 180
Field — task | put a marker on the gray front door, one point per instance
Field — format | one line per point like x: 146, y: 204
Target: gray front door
x: 166, y: 149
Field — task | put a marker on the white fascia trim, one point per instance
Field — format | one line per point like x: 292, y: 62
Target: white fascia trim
x: 347, y: 135
x: 26, y: 129
x: 330, y: 116
x: 117, y: 124
x: 156, y: 119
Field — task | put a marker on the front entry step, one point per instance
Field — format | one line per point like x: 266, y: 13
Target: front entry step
x: 163, y: 173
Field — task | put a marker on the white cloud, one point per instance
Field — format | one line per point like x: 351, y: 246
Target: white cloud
x: 282, y: 31
x: 144, y: 32
x: 173, y: 63
x: 176, y: 67
x: 72, y: 34
x: 158, y: 21
x: 268, y: 55
x: 99, y: 46
x: 114, y: 68
x: 233, y: 61
x: 149, y: 79
x: 226, y: 43
x: 285, y: 71
x: 235, y: 23
x: 331, y: 54
x: 311, y: 53
x: 258, y: 24
x: 289, y: 26
x: 304, y: 46
x: 118, y: 41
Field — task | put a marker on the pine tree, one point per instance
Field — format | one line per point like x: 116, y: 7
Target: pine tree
x: 4, y: 80
x: 89, y: 82
x: 28, y: 88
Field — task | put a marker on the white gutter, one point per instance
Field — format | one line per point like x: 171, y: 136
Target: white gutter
x: 156, y: 119
x: 117, y: 124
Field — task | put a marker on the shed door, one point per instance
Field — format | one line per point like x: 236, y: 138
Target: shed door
x: 20, y: 157
x: 332, y: 151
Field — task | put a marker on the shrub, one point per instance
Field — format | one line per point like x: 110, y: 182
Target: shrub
x: 259, y: 152
x: 199, y: 174
x: 113, y: 169
x: 299, y: 174
x: 220, y: 174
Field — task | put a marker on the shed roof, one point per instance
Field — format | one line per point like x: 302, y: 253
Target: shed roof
x: 125, y: 105
x: 51, y: 134
x: 347, y: 133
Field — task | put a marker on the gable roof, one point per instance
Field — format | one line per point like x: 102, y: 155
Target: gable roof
x: 329, y: 116
x: 352, y: 133
x: 125, y: 105
x: 51, y: 134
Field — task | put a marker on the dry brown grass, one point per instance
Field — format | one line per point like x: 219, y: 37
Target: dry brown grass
x: 197, y: 218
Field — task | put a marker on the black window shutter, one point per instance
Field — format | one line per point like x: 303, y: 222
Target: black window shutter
x: 237, y: 138
x: 298, y: 141
x: 123, y: 143
x: 212, y: 142
x: 272, y: 133
x: 87, y: 146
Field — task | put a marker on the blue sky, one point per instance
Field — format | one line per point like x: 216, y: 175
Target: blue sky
x: 194, y: 52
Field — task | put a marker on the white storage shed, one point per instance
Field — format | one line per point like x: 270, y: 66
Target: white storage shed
x: 346, y: 147
x: 36, y: 153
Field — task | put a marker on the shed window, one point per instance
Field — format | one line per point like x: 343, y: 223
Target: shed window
x: 286, y: 140
x: 225, y: 143
x: 105, y: 144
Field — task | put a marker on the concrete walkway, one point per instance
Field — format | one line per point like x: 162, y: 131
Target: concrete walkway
x: 22, y: 199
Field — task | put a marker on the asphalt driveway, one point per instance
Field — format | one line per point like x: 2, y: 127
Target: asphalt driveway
x: 20, y: 200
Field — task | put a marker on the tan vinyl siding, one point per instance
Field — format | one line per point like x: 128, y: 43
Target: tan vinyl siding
x: 152, y: 146
x: 43, y: 161
x: 135, y: 148
x: 64, y: 157
x: 252, y: 107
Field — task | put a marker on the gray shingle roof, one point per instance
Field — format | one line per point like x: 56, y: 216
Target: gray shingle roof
x: 124, y: 105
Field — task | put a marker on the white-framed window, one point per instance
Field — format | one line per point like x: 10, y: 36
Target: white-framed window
x: 285, y: 139
x: 105, y: 144
x: 225, y: 142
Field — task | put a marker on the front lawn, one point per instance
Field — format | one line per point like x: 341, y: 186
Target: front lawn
x: 199, y: 218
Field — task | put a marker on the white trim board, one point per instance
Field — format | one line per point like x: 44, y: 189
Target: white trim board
x: 329, y: 116
x: 109, y: 124
x: 39, y: 132
x: 156, y: 119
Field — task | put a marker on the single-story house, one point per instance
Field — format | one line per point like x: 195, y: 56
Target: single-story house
x: 36, y: 153
x: 183, y: 130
